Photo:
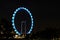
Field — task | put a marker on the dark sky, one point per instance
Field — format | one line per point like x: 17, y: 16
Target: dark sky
x: 44, y: 12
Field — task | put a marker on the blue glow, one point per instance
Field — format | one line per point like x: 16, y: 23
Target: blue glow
x: 13, y: 24
x: 13, y: 14
x: 15, y: 30
x: 14, y: 27
x: 12, y: 17
x: 12, y: 20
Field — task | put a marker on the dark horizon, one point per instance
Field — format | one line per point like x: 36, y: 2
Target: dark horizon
x: 45, y: 12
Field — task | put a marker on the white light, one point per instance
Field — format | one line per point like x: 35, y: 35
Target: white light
x: 14, y: 27
x: 18, y: 9
x: 12, y: 17
x: 13, y: 14
x: 31, y: 16
x: 15, y: 30
x: 12, y: 20
x: 13, y: 24
x: 14, y: 11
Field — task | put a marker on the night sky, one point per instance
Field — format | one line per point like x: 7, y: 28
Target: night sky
x: 44, y: 12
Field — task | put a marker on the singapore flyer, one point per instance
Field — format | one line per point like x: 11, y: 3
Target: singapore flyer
x: 13, y: 20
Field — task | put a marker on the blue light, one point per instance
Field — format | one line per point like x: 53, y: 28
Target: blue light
x: 13, y: 24
x: 14, y: 27
x: 12, y: 20
x: 15, y: 30
x: 13, y: 14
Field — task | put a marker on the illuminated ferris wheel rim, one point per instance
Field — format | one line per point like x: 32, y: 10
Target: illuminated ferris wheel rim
x: 13, y: 17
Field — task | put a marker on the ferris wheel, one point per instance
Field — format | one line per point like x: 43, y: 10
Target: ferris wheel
x: 22, y: 23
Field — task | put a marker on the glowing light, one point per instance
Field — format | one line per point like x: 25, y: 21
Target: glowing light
x: 19, y: 37
x: 13, y: 24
